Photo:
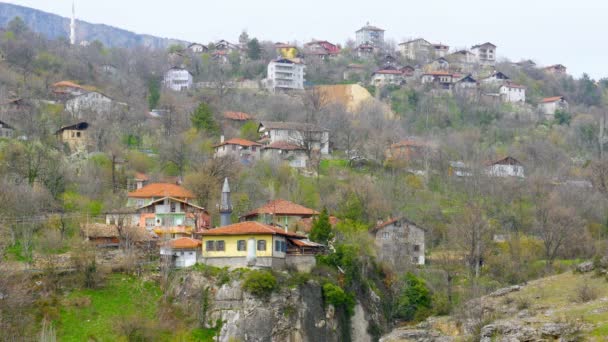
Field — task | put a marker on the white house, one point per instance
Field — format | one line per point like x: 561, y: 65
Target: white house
x: 438, y: 64
x: 496, y: 77
x: 505, y: 167
x: 285, y: 74
x: 441, y: 79
x: 243, y: 150
x: 462, y: 57
x: 441, y: 50
x: 485, y: 53
x: 197, y: 48
x: 416, y: 49
x: 549, y: 105
x: 400, y: 243
x: 371, y: 35
x: 91, y: 101
x: 294, y: 154
x: 181, y: 252
x: 305, y: 135
x: 178, y: 79
x: 512, y: 92
x: 387, y: 76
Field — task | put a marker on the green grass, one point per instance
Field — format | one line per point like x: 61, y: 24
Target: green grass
x: 122, y: 296
x: 326, y: 164
x: 15, y: 252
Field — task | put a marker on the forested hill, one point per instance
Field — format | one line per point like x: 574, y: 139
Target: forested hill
x: 54, y: 26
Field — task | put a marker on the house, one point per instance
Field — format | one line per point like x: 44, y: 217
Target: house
x: 285, y: 74
x: 74, y: 136
x: 155, y: 191
x: 281, y: 213
x: 365, y: 50
x: 408, y: 71
x: 90, y: 101
x: 68, y: 88
x: 109, y: 235
x: 309, y: 136
x: 465, y: 83
x: 485, y: 53
x: 221, y: 56
x: 349, y: 96
x: 409, y: 150
x: 511, y: 92
x: 197, y: 48
x: 459, y: 169
x: 181, y: 252
x: 321, y: 48
x: 439, y: 79
x: 354, y: 71
x: 440, y: 50
x: 416, y: 49
x: 495, y: 77
x: 389, y: 62
x: 6, y: 131
x: 438, y: 64
x: 384, y: 77
x: 254, y: 244
x: 243, y: 150
x: 549, y: 105
x: 370, y: 35
x: 237, y: 116
x: 400, y: 243
x: 224, y: 45
x: 505, y: 167
x: 171, y: 216
x: 286, y: 50
x: 280, y: 151
x: 462, y: 57
x: 556, y: 69
x: 178, y: 79
x: 526, y: 64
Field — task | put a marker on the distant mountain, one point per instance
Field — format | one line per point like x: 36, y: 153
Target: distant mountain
x: 54, y: 26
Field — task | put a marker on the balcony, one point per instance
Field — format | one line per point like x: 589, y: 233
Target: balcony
x: 166, y: 209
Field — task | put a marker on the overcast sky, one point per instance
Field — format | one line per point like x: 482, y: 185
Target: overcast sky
x: 569, y: 32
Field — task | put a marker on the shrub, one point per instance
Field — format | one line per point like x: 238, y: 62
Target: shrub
x: 586, y: 293
x: 415, y: 300
x: 523, y: 303
x: 335, y: 295
x: 260, y: 283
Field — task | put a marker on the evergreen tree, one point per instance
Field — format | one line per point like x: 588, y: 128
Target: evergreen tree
x: 321, y: 231
x: 254, y: 51
x: 203, y: 120
x: 153, y: 93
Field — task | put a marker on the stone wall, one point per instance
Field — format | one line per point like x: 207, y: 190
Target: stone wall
x: 236, y: 262
x: 301, y: 263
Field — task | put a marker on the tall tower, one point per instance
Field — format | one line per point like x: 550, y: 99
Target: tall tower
x: 225, y: 205
x: 73, y: 26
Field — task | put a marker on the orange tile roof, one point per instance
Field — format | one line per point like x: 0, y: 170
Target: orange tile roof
x: 67, y: 84
x: 237, y: 116
x: 284, y: 145
x: 551, y: 99
x: 141, y: 176
x: 183, y: 243
x: 282, y: 207
x: 161, y: 190
x: 247, y: 228
x: 238, y: 141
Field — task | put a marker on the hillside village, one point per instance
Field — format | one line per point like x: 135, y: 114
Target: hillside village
x: 402, y: 180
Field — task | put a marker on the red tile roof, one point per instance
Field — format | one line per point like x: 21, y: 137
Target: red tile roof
x: 388, y: 72
x: 284, y: 145
x: 238, y: 141
x: 237, y: 116
x: 184, y: 243
x: 67, y: 84
x: 248, y: 227
x: 513, y: 85
x: 161, y: 190
x: 141, y: 176
x: 551, y: 99
x: 282, y: 207
x: 438, y: 73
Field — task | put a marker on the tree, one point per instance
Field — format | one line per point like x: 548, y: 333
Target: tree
x: 254, y: 51
x: 473, y: 233
x: 153, y: 93
x: 321, y: 231
x: 249, y: 131
x: 415, y: 300
x: 203, y: 120
x: 17, y: 26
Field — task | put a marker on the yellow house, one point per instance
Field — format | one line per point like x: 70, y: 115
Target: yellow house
x: 286, y: 50
x: 247, y: 244
x: 75, y: 136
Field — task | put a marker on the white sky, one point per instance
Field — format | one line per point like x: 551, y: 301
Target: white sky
x: 570, y: 32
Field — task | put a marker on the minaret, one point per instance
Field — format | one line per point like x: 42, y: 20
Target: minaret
x: 73, y: 26
x: 225, y: 205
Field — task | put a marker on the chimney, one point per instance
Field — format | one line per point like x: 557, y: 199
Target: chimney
x: 221, y: 139
x: 225, y: 205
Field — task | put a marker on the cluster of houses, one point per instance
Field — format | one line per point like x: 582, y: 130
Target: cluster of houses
x: 272, y: 236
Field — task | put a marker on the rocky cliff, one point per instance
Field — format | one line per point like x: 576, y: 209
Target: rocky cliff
x: 54, y: 26
x: 295, y: 313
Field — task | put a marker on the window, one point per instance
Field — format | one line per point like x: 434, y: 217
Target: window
x: 277, y: 246
x: 210, y: 246
x: 220, y: 245
x: 385, y: 235
x: 77, y: 134
x: 416, y: 248
x: 241, y: 245
x: 283, y: 246
x: 149, y: 222
x: 261, y: 245
x: 415, y: 260
x: 172, y: 207
x: 233, y: 147
x: 253, y: 148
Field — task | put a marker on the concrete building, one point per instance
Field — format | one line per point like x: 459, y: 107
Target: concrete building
x: 245, y: 151
x: 505, y: 167
x: 549, y: 105
x: 178, y: 79
x: 6, y: 131
x: 285, y: 74
x: 416, y: 49
x: 370, y: 35
x: 485, y: 53
x: 440, y: 50
x: 400, y: 243
x: 308, y: 136
x: 282, y: 151
x: 513, y: 93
